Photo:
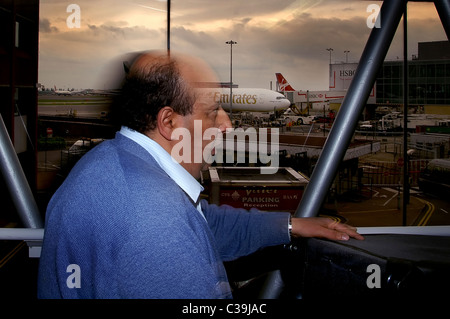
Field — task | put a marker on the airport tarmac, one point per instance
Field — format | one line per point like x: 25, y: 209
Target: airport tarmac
x: 377, y: 207
x: 372, y: 206
x: 74, y: 106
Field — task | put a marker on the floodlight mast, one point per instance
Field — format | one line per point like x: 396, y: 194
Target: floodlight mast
x: 231, y: 42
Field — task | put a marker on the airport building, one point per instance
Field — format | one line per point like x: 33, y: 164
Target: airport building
x: 428, y: 80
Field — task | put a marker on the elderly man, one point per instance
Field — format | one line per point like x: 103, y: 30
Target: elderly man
x: 128, y: 222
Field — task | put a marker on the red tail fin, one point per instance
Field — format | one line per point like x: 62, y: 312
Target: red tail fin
x: 283, y: 84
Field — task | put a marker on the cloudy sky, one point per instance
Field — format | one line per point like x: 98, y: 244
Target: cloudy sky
x: 287, y: 36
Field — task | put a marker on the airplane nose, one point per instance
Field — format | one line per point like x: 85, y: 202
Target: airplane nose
x: 284, y: 104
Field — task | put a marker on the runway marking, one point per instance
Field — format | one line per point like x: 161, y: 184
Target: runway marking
x: 370, y: 211
x: 393, y: 196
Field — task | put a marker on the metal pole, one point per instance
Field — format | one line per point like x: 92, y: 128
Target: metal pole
x: 34, y: 234
x: 405, y: 117
x: 351, y: 108
x: 16, y: 181
x: 168, y: 27
x: 231, y: 42
x: 443, y: 9
x: 231, y: 80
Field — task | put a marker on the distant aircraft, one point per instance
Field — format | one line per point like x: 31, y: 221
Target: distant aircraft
x: 311, y: 96
x: 249, y: 99
x: 62, y: 92
x: 71, y: 92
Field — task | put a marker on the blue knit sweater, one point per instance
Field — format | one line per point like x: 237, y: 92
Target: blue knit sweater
x: 119, y: 227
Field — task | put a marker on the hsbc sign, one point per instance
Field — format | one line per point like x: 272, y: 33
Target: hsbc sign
x: 341, y: 75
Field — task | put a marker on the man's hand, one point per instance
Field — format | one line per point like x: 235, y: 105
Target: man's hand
x: 323, y: 227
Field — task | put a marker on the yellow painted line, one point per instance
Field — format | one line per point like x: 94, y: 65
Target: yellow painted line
x: 336, y: 219
x: 11, y: 254
x: 369, y: 211
x: 426, y: 217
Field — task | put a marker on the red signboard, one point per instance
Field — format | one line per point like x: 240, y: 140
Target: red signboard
x: 263, y: 198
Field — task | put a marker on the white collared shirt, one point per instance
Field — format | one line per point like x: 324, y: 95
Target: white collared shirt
x: 175, y: 171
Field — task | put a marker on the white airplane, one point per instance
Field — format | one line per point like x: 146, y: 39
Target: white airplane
x: 62, y: 92
x: 311, y: 96
x: 249, y: 99
x: 67, y: 92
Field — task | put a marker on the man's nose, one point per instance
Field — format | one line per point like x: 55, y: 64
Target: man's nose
x: 223, y: 120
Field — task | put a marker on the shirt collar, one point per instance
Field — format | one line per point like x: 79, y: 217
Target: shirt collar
x: 177, y: 172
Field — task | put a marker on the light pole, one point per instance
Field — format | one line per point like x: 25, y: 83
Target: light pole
x: 346, y: 55
x: 329, y: 50
x: 231, y: 42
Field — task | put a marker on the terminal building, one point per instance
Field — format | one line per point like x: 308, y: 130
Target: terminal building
x: 428, y: 80
x: 428, y: 85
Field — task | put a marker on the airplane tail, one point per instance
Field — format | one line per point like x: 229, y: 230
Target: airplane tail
x: 283, y: 84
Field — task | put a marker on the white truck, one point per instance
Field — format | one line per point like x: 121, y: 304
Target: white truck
x: 289, y: 116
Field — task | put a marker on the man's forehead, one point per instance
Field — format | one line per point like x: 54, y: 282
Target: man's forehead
x: 197, y: 73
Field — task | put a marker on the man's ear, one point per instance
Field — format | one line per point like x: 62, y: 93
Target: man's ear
x: 166, y: 122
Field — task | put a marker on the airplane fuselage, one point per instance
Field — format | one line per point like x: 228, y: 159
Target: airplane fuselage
x: 63, y: 93
x: 249, y: 99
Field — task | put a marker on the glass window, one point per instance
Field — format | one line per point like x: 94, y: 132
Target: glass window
x: 423, y: 71
x: 431, y: 93
x: 412, y: 71
x: 397, y: 71
x: 447, y: 92
x: 431, y: 70
x: 440, y: 70
x: 82, y: 47
x: 387, y: 71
